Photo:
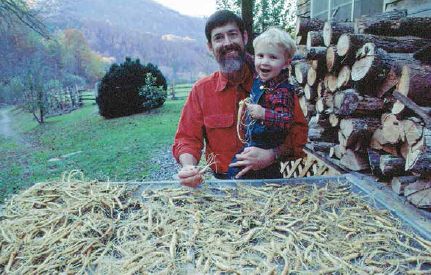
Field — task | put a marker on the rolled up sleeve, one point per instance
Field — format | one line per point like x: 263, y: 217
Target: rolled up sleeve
x: 189, y: 135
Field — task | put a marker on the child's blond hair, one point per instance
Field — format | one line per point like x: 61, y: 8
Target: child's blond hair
x: 276, y: 36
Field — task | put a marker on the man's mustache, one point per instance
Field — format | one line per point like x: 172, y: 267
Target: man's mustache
x: 228, y: 48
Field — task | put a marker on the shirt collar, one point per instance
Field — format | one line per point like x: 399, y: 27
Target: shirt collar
x: 223, y: 82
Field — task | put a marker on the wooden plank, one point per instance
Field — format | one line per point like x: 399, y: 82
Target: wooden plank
x: 325, y: 160
x: 293, y: 168
x: 307, y: 167
x: 322, y: 170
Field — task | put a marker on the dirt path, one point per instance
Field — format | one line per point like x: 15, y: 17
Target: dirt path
x: 6, y: 129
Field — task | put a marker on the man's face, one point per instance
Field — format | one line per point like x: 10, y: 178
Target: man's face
x: 227, y: 46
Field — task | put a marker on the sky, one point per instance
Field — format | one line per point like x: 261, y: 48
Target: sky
x: 191, y: 7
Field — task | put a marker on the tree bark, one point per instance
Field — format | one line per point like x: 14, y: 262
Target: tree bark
x: 318, y: 133
x: 321, y: 146
x: 306, y: 24
x: 402, y: 101
x: 424, y: 54
x: 310, y: 93
x: 392, y: 165
x: 316, y: 53
x: 301, y: 70
x: 358, y: 130
x: 350, y: 103
x: 333, y: 30
x: 349, y: 43
x: 314, y: 39
x: 416, y: 26
x: 356, y: 161
x: 371, y: 69
x: 365, y: 21
x: 374, y: 161
x: 317, y: 56
x: 415, y: 83
x: 419, y: 158
x: 396, y: 61
x: 247, y: 16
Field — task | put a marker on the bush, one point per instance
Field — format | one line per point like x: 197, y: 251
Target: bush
x: 123, y: 90
x: 154, y: 96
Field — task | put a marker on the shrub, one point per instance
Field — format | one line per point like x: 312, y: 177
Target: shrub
x: 154, y: 96
x: 123, y: 90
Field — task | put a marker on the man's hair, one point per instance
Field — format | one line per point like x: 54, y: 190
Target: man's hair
x: 278, y: 37
x: 221, y: 18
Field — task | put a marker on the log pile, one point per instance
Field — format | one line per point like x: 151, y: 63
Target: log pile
x: 366, y: 92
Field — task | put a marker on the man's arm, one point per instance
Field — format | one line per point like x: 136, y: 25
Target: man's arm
x: 292, y: 147
x: 189, y: 174
x: 188, y: 141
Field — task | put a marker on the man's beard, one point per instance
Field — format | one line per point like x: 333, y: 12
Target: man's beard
x: 231, y: 64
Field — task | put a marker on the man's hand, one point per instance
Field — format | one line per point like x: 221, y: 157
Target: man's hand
x: 253, y: 158
x: 190, y: 176
x: 256, y: 111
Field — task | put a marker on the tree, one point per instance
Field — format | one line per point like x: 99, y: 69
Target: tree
x: 266, y: 13
x: 247, y: 16
x: 18, y: 9
x: 36, y: 99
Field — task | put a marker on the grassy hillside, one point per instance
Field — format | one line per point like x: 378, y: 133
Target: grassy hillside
x: 115, y: 149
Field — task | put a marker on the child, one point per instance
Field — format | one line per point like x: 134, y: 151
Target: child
x: 270, y: 110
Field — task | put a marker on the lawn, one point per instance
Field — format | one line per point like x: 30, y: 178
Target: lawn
x: 115, y: 149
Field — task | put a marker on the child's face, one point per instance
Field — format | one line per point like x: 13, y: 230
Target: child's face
x: 269, y: 60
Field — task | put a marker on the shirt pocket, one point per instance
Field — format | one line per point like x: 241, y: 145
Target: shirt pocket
x: 220, y: 133
x: 219, y: 121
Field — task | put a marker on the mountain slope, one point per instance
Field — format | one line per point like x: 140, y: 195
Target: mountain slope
x: 138, y: 28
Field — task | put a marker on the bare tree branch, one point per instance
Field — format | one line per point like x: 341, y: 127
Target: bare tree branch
x: 18, y: 9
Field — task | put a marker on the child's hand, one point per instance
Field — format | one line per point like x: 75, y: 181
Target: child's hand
x: 256, y: 111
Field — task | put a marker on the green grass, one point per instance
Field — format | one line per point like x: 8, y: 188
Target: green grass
x: 115, y: 149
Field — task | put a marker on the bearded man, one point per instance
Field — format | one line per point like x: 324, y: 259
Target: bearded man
x: 209, y: 115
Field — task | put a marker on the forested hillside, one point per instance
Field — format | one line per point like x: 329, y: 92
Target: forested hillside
x: 138, y: 28
x: 84, y: 37
x: 30, y: 62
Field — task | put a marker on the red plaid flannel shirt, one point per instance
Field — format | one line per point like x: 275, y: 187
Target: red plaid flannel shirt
x: 278, y: 103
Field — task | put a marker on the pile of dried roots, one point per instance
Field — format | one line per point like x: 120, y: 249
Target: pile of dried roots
x: 79, y: 226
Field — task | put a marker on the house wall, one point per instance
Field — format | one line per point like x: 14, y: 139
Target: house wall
x: 414, y: 7
x: 419, y: 8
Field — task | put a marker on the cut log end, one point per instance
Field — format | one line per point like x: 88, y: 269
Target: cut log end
x: 343, y: 45
x: 361, y: 68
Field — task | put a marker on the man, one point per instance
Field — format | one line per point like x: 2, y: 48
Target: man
x: 210, y: 114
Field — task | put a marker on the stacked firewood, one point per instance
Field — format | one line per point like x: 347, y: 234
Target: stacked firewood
x: 366, y: 91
